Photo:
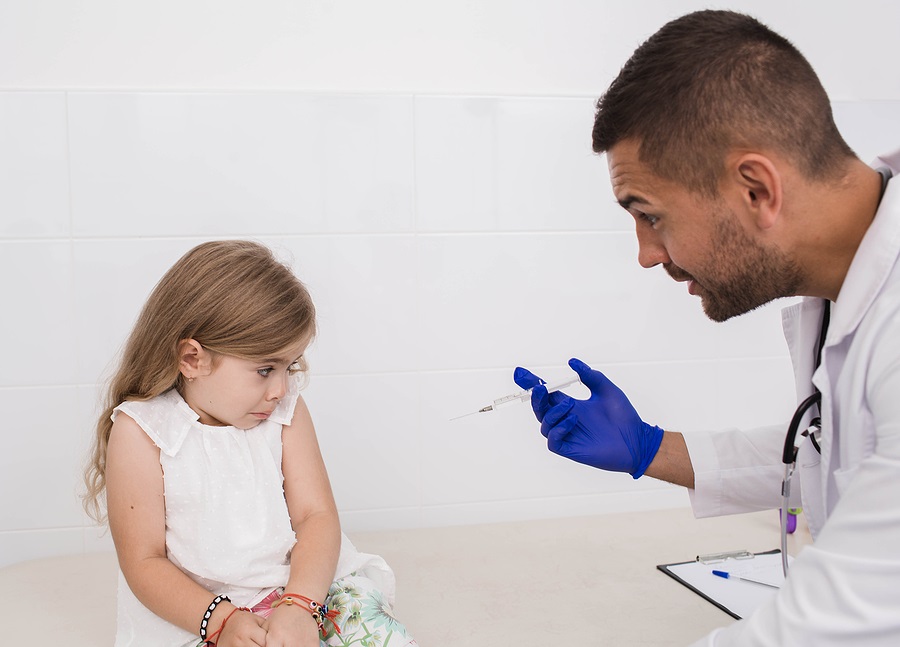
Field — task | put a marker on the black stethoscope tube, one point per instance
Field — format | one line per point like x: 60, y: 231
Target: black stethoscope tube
x: 790, y: 450
x: 789, y: 455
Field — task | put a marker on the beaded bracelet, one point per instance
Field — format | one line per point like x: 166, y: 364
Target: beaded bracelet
x: 209, y: 611
x: 214, y: 637
x: 319, y: 612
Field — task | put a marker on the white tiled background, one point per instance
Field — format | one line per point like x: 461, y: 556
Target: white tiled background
x: 426, y: 168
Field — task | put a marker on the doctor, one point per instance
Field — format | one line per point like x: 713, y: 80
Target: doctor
x: 721, y: 145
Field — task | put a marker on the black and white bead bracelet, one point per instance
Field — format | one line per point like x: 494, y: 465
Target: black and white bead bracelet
x: 209, y: 611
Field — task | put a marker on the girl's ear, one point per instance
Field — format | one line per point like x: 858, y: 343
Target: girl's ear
x: 193, y: 359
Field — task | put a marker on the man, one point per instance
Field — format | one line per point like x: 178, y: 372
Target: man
x: 721, y: 145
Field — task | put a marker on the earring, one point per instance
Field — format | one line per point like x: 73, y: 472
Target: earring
x: 190, y: 379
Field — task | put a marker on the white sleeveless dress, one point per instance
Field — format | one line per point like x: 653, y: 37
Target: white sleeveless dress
x: 227, y: 522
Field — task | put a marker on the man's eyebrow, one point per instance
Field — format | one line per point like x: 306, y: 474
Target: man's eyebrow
x: 629, y: 200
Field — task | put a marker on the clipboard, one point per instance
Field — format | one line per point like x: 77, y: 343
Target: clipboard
x: 737, y: 598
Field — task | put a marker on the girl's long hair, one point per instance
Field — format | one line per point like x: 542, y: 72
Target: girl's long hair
x: 233, y: 297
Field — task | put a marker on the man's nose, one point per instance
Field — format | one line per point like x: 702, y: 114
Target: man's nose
x: 651, y: 251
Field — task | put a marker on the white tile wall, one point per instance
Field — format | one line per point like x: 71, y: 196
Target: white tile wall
x: 39, y: 341
x: 213, y: 164
x: 871, y: 127
x: 445, y: 239
x: 570, y: 48
x: 39, y: 448
x: 95, y: 538
x: 498, y: 300
x: 509, y: 164
x: 369, y: 468
x: 113, y: 278
x: 364, y: 290
x: 34, y: 171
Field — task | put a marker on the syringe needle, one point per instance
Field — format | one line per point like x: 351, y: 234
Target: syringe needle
x: 489, y: 407
x: 520, y: 396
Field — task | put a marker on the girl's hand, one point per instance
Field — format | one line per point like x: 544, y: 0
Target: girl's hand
x: 291, y: 626
x: 243, y: 629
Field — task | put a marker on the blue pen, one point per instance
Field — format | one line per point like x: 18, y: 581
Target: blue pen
x: 729, y: 576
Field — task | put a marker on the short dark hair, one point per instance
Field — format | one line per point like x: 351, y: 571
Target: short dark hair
x: 711, y: 81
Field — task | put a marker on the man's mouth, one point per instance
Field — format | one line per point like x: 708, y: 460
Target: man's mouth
x: 681, y: 276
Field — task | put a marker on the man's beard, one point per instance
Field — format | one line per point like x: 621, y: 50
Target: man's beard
x: 740, y: 274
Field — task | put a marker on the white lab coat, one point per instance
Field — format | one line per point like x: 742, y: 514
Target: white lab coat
x: 845, y: 588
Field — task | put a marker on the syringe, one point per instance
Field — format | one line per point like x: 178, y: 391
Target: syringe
x: 521, y: 396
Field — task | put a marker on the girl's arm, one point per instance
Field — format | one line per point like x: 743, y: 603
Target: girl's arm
x: 137, y: 522
x: 314, y: 519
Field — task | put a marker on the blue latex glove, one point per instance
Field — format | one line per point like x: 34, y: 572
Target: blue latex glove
x: 603, y: 431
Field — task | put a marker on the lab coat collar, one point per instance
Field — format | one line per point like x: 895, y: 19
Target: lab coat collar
x: 891, y: 160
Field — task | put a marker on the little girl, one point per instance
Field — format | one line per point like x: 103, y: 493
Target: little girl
x: 216, y: 494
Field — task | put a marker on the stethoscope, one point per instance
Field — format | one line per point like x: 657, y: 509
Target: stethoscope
x: 814, y: 430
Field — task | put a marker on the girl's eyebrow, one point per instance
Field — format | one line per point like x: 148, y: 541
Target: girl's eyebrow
x: 278, y: 360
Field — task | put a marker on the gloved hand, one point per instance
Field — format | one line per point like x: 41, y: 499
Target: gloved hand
x: 603, y: 431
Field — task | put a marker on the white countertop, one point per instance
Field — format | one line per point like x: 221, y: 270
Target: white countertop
x: 574, y: 581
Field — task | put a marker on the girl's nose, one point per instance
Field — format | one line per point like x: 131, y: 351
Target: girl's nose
x: 278, y: 388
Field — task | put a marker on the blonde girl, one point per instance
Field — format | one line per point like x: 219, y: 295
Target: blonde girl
x: 216, y: 495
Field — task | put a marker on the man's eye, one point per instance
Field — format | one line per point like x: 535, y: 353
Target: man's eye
x: 265, y: 371
x: 650, y: 220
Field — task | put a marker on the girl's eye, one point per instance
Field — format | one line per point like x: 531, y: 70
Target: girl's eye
x: 265, y: 371
x: 294, y: 368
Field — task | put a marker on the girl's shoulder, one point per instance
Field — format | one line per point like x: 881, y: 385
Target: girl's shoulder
x: 166, y: 419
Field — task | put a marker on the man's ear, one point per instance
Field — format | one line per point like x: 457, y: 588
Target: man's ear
x: 760, y: 186
x: 193, y: 359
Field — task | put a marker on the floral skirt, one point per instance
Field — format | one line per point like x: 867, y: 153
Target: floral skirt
x: 364, y: 617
